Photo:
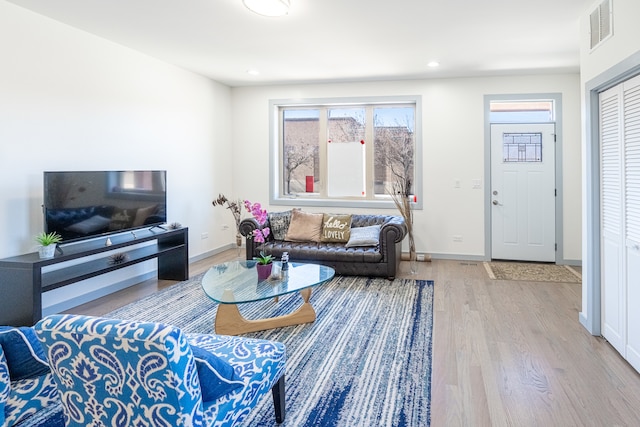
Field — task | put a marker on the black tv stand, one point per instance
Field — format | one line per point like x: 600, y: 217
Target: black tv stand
x: 22, y: 279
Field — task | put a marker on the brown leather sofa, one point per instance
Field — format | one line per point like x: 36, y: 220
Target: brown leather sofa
x: 382, y: 260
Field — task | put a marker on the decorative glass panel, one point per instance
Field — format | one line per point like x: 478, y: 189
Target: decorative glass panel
x: 522, y: 147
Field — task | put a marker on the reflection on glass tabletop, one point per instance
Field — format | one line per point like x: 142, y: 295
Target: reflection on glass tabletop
x: 237, y: 282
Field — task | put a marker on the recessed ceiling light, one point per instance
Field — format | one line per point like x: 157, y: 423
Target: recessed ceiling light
x: 433, y: 64
x: 269, y: 8
x: 253, y: 72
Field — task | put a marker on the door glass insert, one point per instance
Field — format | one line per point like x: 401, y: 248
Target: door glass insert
x: 522, y: 147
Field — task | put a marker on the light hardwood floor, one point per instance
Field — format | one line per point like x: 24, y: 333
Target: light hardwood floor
x: 505, y: 353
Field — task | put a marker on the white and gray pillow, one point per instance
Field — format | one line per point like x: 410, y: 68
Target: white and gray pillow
x: 364, y: 236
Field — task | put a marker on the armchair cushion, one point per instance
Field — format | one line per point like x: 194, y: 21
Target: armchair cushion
x: 23, y: 352
x: 5, y: 385
x: 217, y: 377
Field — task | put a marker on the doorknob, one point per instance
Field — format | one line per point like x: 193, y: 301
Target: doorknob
x: 495, y: 202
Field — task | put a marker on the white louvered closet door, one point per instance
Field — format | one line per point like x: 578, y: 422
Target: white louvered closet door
x: 620, y: 215
x: 631, y: 93
x: 613, y: 292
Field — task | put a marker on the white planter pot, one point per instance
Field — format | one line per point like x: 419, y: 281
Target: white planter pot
x: 47, y: 251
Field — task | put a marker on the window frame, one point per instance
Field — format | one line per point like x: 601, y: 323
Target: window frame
x: 276, y: 145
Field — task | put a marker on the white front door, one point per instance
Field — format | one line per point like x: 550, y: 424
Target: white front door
x: 523, y: 206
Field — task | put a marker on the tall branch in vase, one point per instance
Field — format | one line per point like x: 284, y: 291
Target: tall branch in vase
x: 235, y: 207
x: 402, y: 198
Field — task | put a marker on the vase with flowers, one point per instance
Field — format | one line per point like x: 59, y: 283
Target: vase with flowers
x: 235, y: 207
x: 264, y: 261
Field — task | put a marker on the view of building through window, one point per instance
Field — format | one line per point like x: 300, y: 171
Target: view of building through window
x: 354, y: 151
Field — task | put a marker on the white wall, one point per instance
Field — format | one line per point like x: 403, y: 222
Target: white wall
x: 72, y: 101
x: 453, y: 149
x: 624, y: 42
x: 612, y: 58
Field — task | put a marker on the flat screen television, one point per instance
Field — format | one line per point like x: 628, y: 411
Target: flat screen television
x: 85, y: 204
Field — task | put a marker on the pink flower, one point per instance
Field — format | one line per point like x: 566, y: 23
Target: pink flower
x: 261, y: 217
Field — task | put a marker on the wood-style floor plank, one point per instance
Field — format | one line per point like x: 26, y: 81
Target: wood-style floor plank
x: 505, y: 353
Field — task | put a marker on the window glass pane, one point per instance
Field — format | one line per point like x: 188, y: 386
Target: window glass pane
x: 394, y: 148
x: 346, y: 124
x: 345, y: 152
x: 301, y: 151
x: 521, y: 112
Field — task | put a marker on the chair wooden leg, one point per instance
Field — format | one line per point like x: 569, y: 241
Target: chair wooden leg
x: 277, y: 391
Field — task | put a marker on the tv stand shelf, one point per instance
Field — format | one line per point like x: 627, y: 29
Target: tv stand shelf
x: 24, y: 278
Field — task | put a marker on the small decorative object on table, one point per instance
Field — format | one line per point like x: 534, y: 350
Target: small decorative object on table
x: 285, y: 261
x: 118, y: 258
x: 48, y: 243
x: 175, y: 225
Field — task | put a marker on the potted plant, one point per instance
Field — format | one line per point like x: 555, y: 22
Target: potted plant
x: 48, y: 243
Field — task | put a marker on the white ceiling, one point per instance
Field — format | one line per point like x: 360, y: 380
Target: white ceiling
x: 337, y: 40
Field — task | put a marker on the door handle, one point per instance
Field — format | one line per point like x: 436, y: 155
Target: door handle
x: 495, y: 202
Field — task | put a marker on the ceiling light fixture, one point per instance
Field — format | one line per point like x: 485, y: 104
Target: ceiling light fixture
x: 271, y: 8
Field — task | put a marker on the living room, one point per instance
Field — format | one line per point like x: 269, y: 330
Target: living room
x: 75, y: 101
x: 114, y: 108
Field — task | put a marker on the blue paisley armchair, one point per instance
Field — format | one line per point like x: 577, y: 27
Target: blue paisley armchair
x: 128, y: 373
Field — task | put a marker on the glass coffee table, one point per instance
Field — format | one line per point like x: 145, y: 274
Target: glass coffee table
x: 236, y: 282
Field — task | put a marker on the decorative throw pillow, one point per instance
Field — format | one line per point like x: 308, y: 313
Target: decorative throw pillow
x: 364, y: 236
x: 279, y: 224
x: 217, y: 377
x: 336, y: 228
x: 89, y: 225
x: 24, y: 353
x: 304, y: 227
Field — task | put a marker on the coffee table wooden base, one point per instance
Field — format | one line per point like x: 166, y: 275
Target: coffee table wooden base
x: 229, y: 321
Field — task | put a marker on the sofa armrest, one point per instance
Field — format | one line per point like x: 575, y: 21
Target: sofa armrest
x: 246, y: 228
x: 394, y: 228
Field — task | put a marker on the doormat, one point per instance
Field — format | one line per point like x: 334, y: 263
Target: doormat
x: 532, y: 272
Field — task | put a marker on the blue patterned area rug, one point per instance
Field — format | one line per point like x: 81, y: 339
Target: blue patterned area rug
x: 365, y: 361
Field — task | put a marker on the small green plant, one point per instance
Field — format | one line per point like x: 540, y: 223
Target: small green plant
x: 264, y: 259
x: 46, y: 239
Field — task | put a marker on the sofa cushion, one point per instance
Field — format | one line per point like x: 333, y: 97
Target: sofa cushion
x: 304, y: 227
x: 336, y: 228
x: 24, y: 353
x: 217, y: 377
x: 364, y: 236
x: 279, y: 224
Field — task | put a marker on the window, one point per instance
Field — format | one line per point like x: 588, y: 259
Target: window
x: 522, y: 111
x: 345, y: 152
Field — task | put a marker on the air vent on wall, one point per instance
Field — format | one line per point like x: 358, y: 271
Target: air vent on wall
x: 601, y: 24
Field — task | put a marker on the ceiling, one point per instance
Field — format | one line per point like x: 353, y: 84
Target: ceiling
x: 337, y: 40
